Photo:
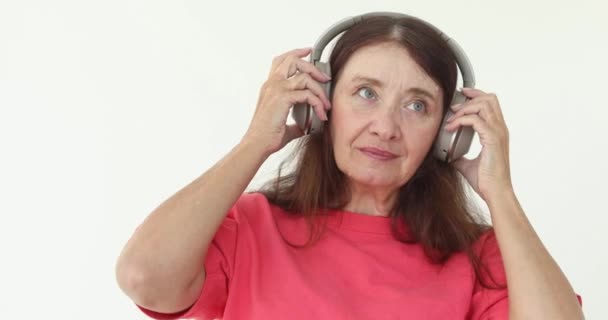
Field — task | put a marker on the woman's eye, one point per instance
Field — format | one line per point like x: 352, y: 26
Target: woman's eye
x: 418, y: 106
x: 370, y: 94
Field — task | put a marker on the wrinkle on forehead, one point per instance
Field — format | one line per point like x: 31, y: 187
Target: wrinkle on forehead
x: 392, y: 64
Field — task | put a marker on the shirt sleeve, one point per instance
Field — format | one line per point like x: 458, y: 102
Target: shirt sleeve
x: 219, y: 266
x: 492, y: 303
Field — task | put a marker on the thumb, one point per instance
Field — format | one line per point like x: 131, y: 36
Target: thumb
x: 462, y: 164
x: 292, y: 131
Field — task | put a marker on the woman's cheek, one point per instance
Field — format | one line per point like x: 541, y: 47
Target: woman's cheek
x: 418, y: 118
x: 361, y: 105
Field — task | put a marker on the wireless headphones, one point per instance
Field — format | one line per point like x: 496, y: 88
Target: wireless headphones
x: 448, y: 146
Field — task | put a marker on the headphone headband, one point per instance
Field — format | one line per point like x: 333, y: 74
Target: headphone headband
x: 468, y: 77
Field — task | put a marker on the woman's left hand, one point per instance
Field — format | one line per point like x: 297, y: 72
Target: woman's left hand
x: 489, y: 173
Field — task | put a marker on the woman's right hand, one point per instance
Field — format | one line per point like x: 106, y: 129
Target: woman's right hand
x: 291, y: 80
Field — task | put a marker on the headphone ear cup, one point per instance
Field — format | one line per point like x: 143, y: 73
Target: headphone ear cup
x: 450, y: 146
x: 316, y: 123
x: 326, y: 69
x: 304, y: 114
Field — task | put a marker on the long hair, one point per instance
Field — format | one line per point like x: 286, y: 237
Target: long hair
x: 433, y: 204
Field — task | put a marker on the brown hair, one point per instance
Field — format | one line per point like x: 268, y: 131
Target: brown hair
x: 433, y: 204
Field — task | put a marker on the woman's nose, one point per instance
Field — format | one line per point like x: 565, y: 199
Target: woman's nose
x: 385, y: 124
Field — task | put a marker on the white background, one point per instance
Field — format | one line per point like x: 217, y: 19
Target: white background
x: 110, y: 107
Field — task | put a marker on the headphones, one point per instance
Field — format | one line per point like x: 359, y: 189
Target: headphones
x: 448, y: 146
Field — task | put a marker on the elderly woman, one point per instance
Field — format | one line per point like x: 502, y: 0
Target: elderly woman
x: 369, y: 224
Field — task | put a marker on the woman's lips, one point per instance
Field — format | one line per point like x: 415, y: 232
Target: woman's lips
x: 377, y: 154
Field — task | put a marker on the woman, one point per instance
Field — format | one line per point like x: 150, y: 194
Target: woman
x: 369, y: 225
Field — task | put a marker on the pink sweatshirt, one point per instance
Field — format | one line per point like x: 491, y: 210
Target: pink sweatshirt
x: 357, y: 271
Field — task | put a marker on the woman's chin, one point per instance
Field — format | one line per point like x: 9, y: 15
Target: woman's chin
x: 376, y: 180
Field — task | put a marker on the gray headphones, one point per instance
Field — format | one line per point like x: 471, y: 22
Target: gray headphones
x: 448, y: 145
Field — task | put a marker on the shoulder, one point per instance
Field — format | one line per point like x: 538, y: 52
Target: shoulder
x: 488, y: 237
x: 251, y: 207
x: 249, y: 202
x: 486, y: 246
x: 253, y: 200
x: 488, y: 250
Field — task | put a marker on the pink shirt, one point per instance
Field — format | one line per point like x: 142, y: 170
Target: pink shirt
x: 357, y: 271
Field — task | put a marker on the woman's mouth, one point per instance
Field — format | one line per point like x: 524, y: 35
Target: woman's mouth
x: 377, y: 154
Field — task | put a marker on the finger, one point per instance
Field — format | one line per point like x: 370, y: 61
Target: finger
x: 479, y: 125
x: 462, y: 164
x: 491, y: 98
x: 472, y: 92
x: 312, y: 99
x: 304, y: 81
x: 467, y: 120
x: 455, y: 107
x: 480, y: 107
x: 293, y: 131
x: 301, y: 53
x: 292, y: 64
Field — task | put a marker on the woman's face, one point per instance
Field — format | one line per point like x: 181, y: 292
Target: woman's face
x: 377, y: 103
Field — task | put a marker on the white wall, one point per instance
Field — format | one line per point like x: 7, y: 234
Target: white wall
x: 109, y: 107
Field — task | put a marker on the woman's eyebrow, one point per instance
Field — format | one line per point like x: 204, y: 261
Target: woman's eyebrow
x: 379, y: 83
